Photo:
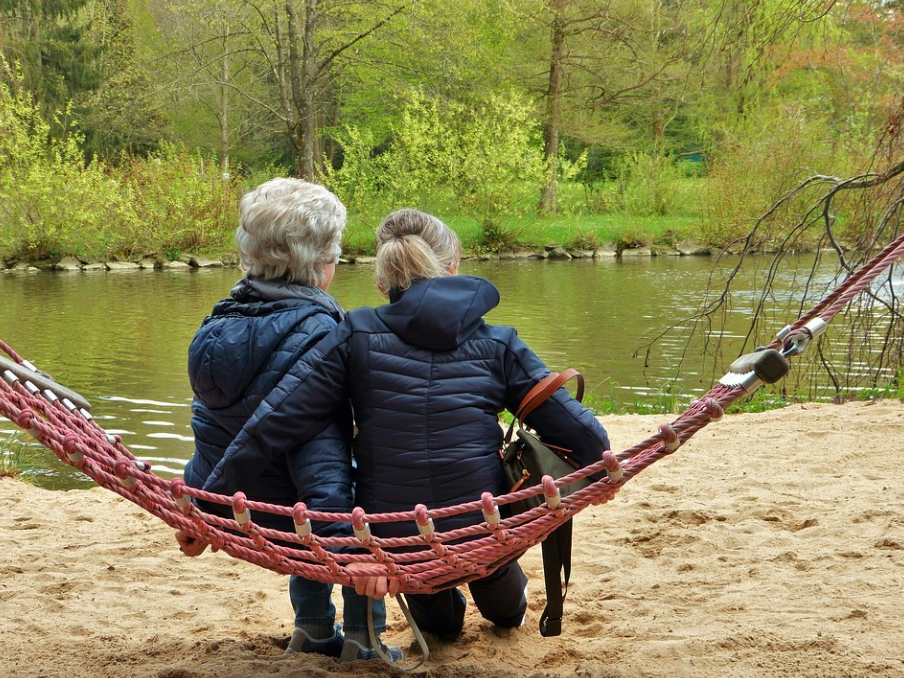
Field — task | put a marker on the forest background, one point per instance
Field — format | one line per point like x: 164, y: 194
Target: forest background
x: 130, y: 127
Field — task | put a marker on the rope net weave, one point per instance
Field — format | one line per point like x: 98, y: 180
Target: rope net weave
x: 426, y: 562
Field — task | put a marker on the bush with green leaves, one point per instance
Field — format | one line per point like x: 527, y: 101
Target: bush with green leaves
x: 185, y: 202
x: 487, y: 155
x: 648, y: 184
x: 758, y: 163
x: 52, y: 202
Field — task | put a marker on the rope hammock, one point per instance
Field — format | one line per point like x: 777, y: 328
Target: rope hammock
x: 429, y: 560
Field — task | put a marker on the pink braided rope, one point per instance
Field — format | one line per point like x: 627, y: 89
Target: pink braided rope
x: 861, y: 279
x: 417, y: 564
x: 422, y: 563
x: 6, y: 348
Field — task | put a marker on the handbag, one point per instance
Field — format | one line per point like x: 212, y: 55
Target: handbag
x: 525, y: 461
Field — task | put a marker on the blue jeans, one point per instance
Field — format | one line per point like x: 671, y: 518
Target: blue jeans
x: 316, y: 614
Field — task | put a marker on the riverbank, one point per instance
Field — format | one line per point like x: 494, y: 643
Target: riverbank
x: 771, y: 544
x: 189, y: 261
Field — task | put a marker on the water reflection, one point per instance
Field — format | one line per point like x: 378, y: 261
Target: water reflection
x: 122, y: 340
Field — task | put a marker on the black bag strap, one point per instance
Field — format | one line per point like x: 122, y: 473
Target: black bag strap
x: 556, y: 567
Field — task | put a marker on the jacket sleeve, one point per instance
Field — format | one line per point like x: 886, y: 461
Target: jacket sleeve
x: 561, y: 420
x: 301, y: 406
x: 321, y: 471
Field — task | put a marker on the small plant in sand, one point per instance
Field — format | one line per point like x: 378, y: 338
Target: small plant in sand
x: 11, y: 453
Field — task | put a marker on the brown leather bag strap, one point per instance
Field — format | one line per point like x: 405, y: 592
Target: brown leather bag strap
x: 550, y: 385
x: 541, y: 392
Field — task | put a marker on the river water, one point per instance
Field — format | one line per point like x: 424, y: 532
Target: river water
x: 120, y: 339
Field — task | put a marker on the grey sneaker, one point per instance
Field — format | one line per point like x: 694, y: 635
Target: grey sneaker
x: 355, y: 651
x: 301, y: 641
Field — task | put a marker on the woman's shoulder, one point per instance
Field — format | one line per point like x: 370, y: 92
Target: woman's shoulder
x: 362, y: 318
x: 505, y: 334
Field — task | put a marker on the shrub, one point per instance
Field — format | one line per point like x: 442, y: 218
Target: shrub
x: 184, y: 202
x: 648, y: 184
x: 756, y: 165
x: 52, y: 202
x: 487, y: 155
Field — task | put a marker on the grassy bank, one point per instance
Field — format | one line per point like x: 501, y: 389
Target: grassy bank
x: 587, y: 231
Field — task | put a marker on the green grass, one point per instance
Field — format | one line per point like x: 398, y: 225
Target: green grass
x: 760, y: 401
x: 538, y: 231
x: 587, y: 217
x: 14, y: 456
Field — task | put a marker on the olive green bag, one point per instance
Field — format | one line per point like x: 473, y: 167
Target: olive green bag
x: 525, y: 460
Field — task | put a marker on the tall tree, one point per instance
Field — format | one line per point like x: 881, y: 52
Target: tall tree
x: 291, y: 52
x: 47, y: 39
x: 121, y: 113
x: 316, y: 42
x: 602, y: 56
x: 213, y: 71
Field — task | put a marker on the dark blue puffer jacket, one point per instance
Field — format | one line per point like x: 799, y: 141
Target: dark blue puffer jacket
x: 427, y: 378
x: 237, y: 357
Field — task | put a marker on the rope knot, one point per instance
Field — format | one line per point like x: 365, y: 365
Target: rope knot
x: 714, y: 409
x: 239, y: 511
x: 70, y: 447
x: 302, y: 523
x: 25, y: 419
x: 360, y: 526
x: 551, y: 492
x: 121, y: 470
x: 613, y: 466
x: 424, y: 521
x: 490, y: 510
x: 177, y: 489
x: 670, y: 438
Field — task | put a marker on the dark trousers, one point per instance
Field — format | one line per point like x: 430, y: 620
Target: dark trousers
x: 500, y: 598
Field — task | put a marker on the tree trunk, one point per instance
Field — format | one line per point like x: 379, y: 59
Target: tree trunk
x: 303, y: 69
x: 224, y: 109
x: 553, y: 109
x: 657, y: 116
x: 307, y: 112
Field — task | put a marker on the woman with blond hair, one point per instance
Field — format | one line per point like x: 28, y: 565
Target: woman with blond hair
x: 427, y: 378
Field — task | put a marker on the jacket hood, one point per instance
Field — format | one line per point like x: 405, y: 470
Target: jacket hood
x: 439, y: 313
x: 244, y: 337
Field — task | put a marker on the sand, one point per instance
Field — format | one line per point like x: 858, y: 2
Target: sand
x: 770, y: 545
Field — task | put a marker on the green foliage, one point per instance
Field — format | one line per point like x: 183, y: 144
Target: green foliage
x: 359, y: 180
x: 121, y: 114
x: 585, y: 240
x: 765, y: 158
x: 182, y: 202
x: 893, y: 390
x: 761, y: 400
x: 11, y: 456
x: 611, y: 400
x: 487, y: 155
x: 51, y: 201
x: 48, y: 39
x: 648, y: 184
x: 410, y: 111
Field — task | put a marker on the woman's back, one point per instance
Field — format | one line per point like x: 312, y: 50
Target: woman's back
x: 428, y: 379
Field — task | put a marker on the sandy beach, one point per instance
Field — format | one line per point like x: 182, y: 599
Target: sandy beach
x: 770, y: 545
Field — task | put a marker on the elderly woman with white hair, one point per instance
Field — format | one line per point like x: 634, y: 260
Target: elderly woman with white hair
x: 289, y: 241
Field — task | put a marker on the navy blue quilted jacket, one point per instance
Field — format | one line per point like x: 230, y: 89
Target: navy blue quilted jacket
x: 427, y: 378
x: 237, y: 357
